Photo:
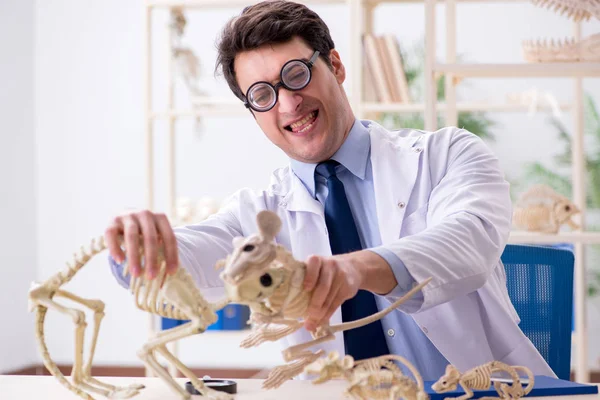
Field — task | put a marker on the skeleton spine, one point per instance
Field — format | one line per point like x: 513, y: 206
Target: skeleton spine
x: 79, y: 260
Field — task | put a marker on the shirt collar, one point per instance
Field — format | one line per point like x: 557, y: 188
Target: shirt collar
x: 353, y: 154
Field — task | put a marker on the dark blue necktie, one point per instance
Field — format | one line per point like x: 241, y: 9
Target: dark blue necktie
x: 367, y: 341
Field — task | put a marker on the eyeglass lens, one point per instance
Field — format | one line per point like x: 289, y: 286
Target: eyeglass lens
x: 295, y: 75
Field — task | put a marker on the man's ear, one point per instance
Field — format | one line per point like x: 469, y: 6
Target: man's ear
x: 337, y: 66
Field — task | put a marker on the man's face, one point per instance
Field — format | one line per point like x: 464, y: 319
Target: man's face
x: 309, y: 125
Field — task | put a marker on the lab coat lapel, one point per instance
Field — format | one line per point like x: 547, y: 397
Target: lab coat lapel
x: 395, y: 166
x: 308, y: 236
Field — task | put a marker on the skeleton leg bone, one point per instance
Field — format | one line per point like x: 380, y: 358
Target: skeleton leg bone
x: 468, y: 392
x: 78, y: 316
x: 269, y: 334
x: 292, y: 353
x: 197, y: 383
x: 158, y: 343
x: 84, y: 374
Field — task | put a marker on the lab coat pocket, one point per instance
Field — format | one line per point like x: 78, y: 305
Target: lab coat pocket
x: 416, y: 221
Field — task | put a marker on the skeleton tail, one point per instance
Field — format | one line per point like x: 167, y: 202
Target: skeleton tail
x: 378, y: 315
x: 530, y: 378
x: 40, y: 316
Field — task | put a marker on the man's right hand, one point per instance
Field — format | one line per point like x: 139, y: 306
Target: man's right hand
x: 154, y: 230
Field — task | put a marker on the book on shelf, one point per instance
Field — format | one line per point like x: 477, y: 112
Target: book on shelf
x: 384, y: 76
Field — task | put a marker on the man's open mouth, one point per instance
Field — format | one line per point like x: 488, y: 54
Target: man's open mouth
x: 304, y: 124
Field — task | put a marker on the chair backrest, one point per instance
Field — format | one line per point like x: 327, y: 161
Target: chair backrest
x: 540, y: 285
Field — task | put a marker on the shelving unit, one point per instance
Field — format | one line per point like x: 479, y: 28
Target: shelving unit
x: 361, y: 22
x: 577, y: 71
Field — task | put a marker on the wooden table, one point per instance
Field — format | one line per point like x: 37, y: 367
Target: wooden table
x: 26, y: 387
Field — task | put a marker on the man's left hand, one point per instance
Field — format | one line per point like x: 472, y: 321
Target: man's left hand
x: 338, y: 278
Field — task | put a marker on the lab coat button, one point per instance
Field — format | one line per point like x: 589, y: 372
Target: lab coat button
x: 418, y: 149
x: 424, y: 329
x: 401, y: 204
x: 391, y: 332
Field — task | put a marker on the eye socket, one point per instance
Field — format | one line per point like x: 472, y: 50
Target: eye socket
x: 248, y: 247
x: 266, y: 280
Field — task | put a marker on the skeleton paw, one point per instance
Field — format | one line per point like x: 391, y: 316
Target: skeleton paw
x: 320, y: 332
x: 136, y: 386
x: 278, y: 376
x: 124, y: 393
x: 251, y: 341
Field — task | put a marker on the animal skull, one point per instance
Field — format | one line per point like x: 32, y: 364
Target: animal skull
x: 448, y: 381
x: 255, y: 252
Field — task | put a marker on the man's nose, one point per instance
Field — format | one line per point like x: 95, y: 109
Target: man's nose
x: 288, y: 101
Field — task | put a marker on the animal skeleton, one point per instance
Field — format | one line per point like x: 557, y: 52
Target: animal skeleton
x: 541, y: 209
x: 177, y: 298
x: 570, y: 50
x: 267, y: 278
x: 480, y: 378
x: 578, y: 10
x: 377, y: 378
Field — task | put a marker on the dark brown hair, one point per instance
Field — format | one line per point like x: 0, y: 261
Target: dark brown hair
x: 270, y: 22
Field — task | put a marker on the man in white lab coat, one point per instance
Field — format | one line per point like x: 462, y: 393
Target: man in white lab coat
x: 424, y: 204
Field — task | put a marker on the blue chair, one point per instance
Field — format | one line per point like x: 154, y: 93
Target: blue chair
x: 233, y: 317
x: 540, y: 285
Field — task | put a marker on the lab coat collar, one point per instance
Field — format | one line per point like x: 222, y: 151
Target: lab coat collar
x: 353, y: 154
x: 395, y: 162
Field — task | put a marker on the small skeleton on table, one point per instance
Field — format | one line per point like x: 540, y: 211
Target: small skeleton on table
x: 480, y: 378
x: 377, y: 378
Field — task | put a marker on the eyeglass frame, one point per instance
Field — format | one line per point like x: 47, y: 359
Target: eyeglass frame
x: 310, y: 63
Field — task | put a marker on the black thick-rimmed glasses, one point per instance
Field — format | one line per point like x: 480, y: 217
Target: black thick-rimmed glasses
x: 294, y: 75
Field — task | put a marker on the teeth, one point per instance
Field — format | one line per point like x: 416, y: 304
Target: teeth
x: 303, y: 120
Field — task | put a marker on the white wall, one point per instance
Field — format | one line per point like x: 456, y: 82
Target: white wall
x: 17, y: 174
x: 89, y: 130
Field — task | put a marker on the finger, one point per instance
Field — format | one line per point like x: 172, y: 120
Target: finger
x: 169, y: 242
x: 332, y: 302
x: 131, y: 233
x: 322, y: 290
x: 150, y: 237
x: 111, y: 240
x: 313, y: 269
x: 332, y: 307
x: 324, y: 314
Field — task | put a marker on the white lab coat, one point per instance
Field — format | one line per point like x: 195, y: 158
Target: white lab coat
x: 443, y: 207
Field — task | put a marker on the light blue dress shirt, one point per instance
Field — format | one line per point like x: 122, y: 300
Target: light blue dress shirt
x: 404, y: 337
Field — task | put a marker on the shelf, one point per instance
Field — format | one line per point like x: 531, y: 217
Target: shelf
x: 234, y: 108
x: 561, y: 237
x: 525, y: 70
x: 460, y: 106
